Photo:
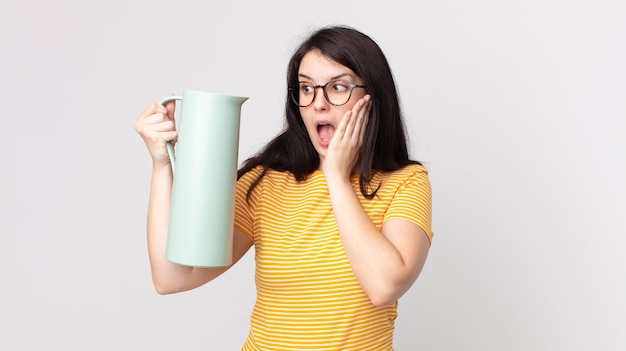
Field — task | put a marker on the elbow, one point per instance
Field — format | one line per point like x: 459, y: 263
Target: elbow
x: 388, y: 291
x: 381, y: 300
x: 163, y: 288
x: 382, y: 296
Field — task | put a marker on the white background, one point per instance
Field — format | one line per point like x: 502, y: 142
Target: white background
x: 517, y: 108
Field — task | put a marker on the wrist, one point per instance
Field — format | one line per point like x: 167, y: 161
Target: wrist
x: 343, y: 175
x: 336, y: 181
x: 161, y: 167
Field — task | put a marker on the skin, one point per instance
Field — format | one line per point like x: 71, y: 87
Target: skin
x: 386, y: 263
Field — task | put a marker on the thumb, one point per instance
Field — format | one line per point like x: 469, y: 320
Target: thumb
x: 171, y: 108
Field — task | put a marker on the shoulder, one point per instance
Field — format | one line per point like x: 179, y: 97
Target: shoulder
x: 407, y: 174
x: 409, y: 194
x: 260, y: 175
x: 250, y: 176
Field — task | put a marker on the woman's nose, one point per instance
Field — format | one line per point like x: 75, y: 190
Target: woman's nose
x: 319, y: 100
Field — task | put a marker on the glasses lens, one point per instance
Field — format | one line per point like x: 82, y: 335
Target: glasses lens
x: 338, y: 92
x: 303, y: 94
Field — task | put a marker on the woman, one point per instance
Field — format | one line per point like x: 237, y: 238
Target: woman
x: 339, y: 215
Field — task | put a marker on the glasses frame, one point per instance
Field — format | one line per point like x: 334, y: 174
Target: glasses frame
x: 296, y: 89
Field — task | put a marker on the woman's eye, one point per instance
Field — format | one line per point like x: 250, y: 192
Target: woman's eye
x: 339, y: 87
x: 306, y: 89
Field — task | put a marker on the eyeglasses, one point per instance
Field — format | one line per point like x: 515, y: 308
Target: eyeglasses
x: 336, y: 92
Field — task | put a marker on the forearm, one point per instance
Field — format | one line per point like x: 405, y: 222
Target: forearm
x: 170, y: 277
x: 167, y: 276
x: 375, y: 261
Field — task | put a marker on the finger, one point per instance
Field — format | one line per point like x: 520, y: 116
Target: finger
x: 341, y: 128
x: 358, y: 128
x: 155, y: 119
x: 165, y: 126
x: 152, y: 109
x: 364, y: 121
x: 152, y: 130
x: 171, y: 137
x: 350, y: 124
x: 346, y: 126
x: 171, y: 108
x: 355, y: 124
x: 353, y: 127
x: 148, y: 116
x: 354, y: 117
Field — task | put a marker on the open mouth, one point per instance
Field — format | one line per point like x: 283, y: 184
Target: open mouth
x: 325, y: 132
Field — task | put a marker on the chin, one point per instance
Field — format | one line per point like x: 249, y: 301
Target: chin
x: 321, y: 151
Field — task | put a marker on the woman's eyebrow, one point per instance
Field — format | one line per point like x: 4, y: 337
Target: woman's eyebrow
x: 341, y: 76
x: 301, y: 75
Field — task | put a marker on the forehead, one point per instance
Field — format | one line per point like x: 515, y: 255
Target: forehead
x: 318, y: 67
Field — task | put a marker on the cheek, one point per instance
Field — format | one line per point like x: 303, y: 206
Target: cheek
x: 309, y: 123
x: 348, y: 106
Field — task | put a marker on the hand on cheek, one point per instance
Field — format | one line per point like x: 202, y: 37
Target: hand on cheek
x: 344, y: 148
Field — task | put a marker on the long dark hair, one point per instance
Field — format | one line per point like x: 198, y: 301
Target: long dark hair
x: 384, y: 147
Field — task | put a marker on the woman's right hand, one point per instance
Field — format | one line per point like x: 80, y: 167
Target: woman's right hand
x: 157, y: 125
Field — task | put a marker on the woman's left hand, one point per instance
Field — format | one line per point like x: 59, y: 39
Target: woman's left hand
x: 344, y: 148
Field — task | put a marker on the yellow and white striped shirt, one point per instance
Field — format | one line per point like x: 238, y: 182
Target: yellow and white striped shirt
x: 307, y: 295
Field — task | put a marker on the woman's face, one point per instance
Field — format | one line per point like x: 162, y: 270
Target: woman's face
x: 321, y: 117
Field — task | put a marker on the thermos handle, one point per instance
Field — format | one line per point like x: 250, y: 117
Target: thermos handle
x: 170, y: 147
